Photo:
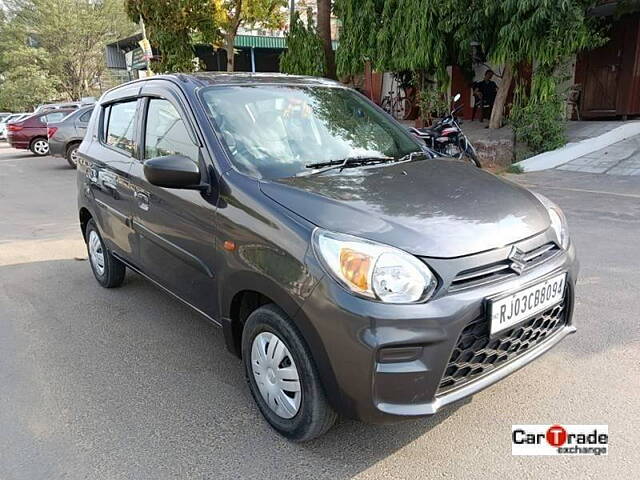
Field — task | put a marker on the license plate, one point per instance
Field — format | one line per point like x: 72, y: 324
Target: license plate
x: 508, y: 311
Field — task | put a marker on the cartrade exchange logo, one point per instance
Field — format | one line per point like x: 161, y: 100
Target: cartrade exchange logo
x: 559, y: 440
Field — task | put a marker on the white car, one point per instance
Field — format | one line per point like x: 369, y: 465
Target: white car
x: 14, y: 117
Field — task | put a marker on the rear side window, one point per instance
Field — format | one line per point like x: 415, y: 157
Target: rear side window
x: 166, y: 133
x: 120, y: 125
x: 86, y: 116
x: 54, y: 117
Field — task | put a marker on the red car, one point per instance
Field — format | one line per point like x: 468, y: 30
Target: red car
x: 31, y: 132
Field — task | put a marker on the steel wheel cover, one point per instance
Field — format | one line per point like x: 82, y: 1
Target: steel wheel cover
x: 96, y: 253
x: 74, y: 156
x: 276, y: 374
x: 41, y: 147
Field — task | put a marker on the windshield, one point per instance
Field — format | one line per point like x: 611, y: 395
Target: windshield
x: 275, y: 131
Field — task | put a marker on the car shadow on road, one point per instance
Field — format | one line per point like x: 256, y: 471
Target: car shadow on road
x: 130, y: 378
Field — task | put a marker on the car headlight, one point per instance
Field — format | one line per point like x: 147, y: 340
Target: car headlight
x: 372, y: 269
x: 558, y: 220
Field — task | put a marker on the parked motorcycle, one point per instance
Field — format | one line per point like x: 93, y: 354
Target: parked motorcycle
x: 447, y: 139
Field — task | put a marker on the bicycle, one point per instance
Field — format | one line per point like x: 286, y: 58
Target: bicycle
x: 396, y: 103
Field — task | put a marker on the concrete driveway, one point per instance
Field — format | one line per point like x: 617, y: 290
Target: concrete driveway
x: 130, y: 384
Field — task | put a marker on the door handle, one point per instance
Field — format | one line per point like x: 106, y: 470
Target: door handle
x: 142, y: 200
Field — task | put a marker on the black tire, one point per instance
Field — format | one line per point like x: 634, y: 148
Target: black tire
x: 468, y: 152
x: 71, y: 151
x: 472, y: 157
x: 314, y: 416
x: 112, y: 273
x: 386, y: 105
x: 39, y: 146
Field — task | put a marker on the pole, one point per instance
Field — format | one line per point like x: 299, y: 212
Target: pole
x: 144, y: 37
x: 253, y: 60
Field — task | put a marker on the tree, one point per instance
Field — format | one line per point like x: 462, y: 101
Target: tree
x: 25, y: 87
x: 425, y: 36
x: 324, y: 31
x: 395, y: 35
x: 172, y: 25
x: 361, y: 22
x: 529, y: 32
x: 304, y: 54
x: 63, y: 40
x: 265, y: 13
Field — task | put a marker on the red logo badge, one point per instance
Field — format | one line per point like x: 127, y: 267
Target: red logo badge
x: 556, y: 436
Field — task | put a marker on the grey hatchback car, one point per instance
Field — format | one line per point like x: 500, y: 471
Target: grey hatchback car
x: 352, y: 273
x: 66, y: 135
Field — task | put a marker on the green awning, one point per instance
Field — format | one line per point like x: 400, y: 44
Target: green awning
x: 259, y: 41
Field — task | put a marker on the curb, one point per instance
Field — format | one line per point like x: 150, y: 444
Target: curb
x: 571, y: 151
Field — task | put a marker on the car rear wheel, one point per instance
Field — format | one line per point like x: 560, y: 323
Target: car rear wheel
x: 108, y: 270
x: 72, y: 155
x: 282, y: 376
x: 39, y: 147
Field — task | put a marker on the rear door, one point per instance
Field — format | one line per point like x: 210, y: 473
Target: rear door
x: 108, y: 158
x: 81, y: 122
x: 174, y: 228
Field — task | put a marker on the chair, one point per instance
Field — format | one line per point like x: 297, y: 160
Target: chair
x: 573, y: 100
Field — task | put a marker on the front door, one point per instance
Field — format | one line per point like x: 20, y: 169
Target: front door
x: 174, y: 228
x: 602, y: 75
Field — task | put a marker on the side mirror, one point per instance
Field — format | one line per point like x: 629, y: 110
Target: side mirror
x: 457, y: 97
x: 174, y: 171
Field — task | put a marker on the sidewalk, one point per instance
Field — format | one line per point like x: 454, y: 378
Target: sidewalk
x: 622, y: 158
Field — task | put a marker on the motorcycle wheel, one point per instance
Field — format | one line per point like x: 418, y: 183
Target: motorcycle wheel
x: 471, y: 156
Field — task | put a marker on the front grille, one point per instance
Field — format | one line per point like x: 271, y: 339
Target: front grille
x: 501, y: 270
x: 476, y: 353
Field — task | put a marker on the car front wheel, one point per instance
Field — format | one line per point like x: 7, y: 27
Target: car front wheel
x: 282, y: 376
x: 40, y: 147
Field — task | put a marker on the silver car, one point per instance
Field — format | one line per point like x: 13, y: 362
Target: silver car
x: 65, y: 136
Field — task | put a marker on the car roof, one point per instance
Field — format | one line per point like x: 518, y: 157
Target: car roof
x: 242, y: 78
x: 204, y: 79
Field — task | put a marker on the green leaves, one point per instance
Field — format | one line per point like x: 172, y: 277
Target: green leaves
x: 57, y: 47
x: 304, y: 54
x: 537, y: 119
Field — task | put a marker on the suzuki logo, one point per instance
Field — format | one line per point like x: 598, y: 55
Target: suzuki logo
x: 518, y: 260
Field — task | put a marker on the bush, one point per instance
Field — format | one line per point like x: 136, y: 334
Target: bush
x: 537, y: 120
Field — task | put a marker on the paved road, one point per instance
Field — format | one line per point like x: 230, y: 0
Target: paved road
x: 129, y: 383
x: 620, y: 158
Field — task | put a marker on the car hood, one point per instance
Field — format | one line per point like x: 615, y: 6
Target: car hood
x: 433, y: 208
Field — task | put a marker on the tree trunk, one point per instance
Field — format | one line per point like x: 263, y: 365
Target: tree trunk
x: 230, y: 36
x: 231, y: 61
x: 497, y: 113
x: 324, y: 31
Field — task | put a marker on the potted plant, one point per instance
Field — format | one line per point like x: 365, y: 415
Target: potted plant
x: 433, y: 104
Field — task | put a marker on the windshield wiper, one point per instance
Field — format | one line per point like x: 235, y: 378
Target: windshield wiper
x: 348, y: 162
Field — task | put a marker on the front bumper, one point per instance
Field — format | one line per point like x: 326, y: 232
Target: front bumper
x: 385, y: 362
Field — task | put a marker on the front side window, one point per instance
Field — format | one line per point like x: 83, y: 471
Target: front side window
x: 120, y: 125
x: 166, y: 133
x: 275, y: 131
